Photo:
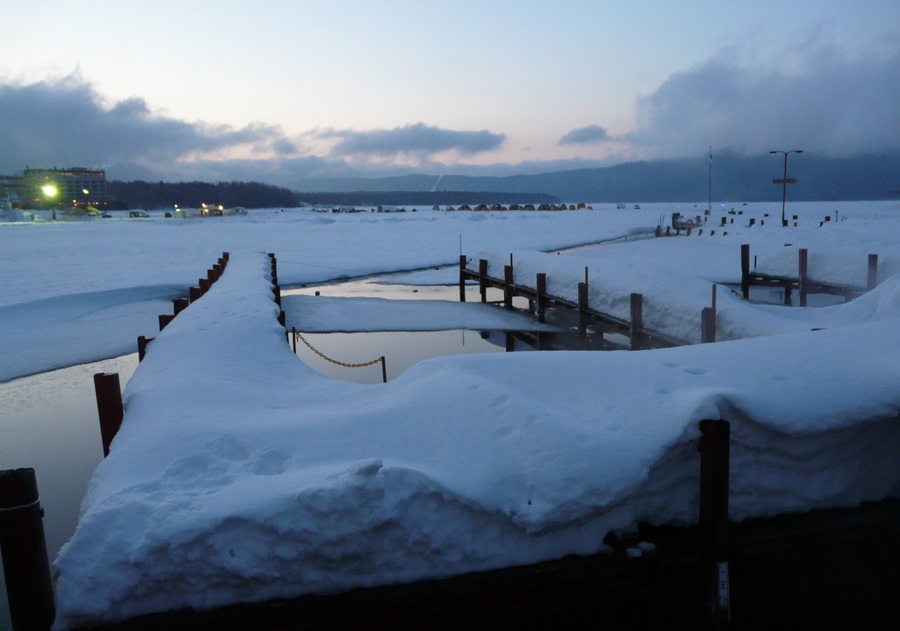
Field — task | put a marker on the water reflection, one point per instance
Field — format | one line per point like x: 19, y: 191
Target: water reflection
x: 400, y: 349
x: 48, y: 422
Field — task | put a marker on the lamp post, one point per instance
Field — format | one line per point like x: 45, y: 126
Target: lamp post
x: 50, y: 192
x: 784, y: 181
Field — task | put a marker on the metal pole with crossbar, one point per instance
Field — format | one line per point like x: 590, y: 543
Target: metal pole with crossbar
x: 784, y: 181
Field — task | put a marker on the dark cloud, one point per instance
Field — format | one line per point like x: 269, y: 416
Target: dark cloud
x: 417, y: 140
x: 65, y: 123
x: 830, y: 106
x: 589, y: 134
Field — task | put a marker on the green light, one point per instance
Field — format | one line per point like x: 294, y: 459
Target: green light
x: 49, y: 190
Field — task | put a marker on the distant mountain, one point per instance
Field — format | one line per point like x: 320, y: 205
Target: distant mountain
x: 734, y: 178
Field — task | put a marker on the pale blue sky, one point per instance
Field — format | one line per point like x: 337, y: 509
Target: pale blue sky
x: 312, y: 88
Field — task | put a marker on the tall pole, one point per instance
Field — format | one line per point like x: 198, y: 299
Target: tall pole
x: 709, y: 200
x: 784, y: 181
x: 784, y: 190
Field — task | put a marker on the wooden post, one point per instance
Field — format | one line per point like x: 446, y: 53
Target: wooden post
x: 636, y: 324
x: 383, y: 370
x: 582, y: 307
x: 482, y: 278
x: 541, y: 285
x: 282, y: 319
x: 274, y: 268
x: 294, y: 339
x: 26, y: 566
x: 872, y: 279
x: 204, y: 285
x: 142, y: 346
x: 462, y: 277
x: 508, y: 286
x: 194, y: 294
x: 180, y: 304
x: 714, y: 465
x: 745, y: 271
x: 803, y: 274
x: 109, y: 406
x: 707, y: 325
x: 212, y: 275
x: 277, y: 291
x: 226, y: 255
x: 164, y: 319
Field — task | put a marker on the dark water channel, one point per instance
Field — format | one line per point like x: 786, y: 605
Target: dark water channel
x: 402, y: 349
x: 48, y: 422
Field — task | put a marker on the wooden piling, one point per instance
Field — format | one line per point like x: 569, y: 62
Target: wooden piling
x: 26, y: 566
x: 636, y: 322
x: 508, y: 286
x: 109, y: 406
x: 541, y: 285
x: 294, y: 339
x: 274, y: 262
x: 714, y: 480
x: 707, y: 325
x: 383, y: 369
x: 872, y: 276
x: 142, y: 346
x: 482, y: 278
x: 462, y: 277
x: 282, y: 319
x: 803, y: 274
x: 211, y: 275
x: 180, y: 304
x: 194, y: 294
x: 164, y: 319
x: 204, y: 285
x: 583, y: 301
x: 745, y: 271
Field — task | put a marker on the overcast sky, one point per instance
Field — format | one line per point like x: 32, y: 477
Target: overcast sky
x: 281, y: 90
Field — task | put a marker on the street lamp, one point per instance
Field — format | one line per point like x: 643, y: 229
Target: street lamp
x: 50, y: 192
x: 784, y: 181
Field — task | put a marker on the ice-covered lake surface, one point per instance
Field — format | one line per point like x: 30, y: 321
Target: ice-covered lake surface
x: 241, y: 474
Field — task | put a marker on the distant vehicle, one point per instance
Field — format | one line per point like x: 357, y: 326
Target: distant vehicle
x: 138, y: 214
x: 105, y: 215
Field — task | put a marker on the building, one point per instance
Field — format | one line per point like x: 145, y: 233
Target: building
x: 75, y: 186
x: 9, y: 191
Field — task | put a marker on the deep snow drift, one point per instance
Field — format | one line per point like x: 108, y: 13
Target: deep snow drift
x: 241, y: 474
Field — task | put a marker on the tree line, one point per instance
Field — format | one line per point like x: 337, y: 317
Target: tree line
x: 166, y: 195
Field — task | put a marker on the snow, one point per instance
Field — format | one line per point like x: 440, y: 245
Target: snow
x: 240, y: 474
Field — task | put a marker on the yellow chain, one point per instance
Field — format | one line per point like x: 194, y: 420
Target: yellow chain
x: 334, y: 361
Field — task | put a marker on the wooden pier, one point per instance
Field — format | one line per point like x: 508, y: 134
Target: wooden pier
x: 825, y: 569
x: 539, y: 301
x: 801, y: 283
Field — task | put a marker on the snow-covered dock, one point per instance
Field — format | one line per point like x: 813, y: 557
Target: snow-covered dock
x: 240, y: 475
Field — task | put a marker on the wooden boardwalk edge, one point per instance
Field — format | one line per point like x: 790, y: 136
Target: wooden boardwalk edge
x: 831, y: 568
